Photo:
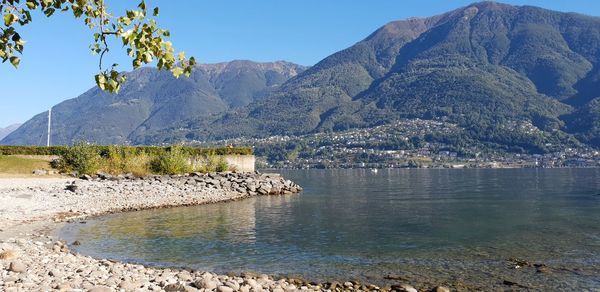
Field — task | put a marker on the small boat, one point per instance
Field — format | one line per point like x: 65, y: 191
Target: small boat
x: 374, y: 170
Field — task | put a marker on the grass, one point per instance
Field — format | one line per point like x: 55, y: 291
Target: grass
x: 21, y: 165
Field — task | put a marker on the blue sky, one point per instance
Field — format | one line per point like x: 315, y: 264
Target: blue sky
x: 57, y: 64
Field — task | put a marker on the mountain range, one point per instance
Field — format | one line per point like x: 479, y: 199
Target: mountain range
x: 152, y: 100
x: 483, y: 67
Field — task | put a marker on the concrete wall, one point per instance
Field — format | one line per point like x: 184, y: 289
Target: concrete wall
x: 242, y: 163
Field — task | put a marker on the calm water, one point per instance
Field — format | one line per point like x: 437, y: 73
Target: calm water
x: 453, y: 227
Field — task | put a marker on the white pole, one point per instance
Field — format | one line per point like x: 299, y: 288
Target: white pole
x: 49, y: 122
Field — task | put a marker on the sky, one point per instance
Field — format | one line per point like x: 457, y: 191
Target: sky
x: 57, y: 64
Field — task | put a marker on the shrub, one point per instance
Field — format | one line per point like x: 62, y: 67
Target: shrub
x: 221, y: 165
x: 174, y: 161
x: 213, y: 163
x: 150, y: 150
x: 81, y: 158
x: 138, y: 165
x: 118, y: 160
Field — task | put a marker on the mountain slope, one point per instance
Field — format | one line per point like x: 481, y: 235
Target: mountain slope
x: 152, y: 99
x: 480, y: 66
x: 7, y: 130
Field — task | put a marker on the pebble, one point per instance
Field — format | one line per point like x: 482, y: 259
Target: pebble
x: 100, y: 289
x: 404, y: 288
x: 17, y: 267
x: 225, y: 289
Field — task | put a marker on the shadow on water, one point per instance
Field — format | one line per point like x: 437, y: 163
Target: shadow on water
x: 430, y: 226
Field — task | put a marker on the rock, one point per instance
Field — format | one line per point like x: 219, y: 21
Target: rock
x: 233, y: 285
x: 206, y: 284
x: 71, y: 187
x: 63, y: 287
x: 440, y: 289
x: 17, y: 267
x: 225, y: 289
x: 54, y: 273
x: 128, y: 285
x: 404, y: 288
x: 40, y: 172
x: 100, y: 289
x: 76, y: 242
x: 175, y: 288
x: 85, y: 177
x: 7, y: 255
x: 334, y: 285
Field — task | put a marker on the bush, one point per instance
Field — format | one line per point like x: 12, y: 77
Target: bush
x: 213, y: 163
x: 118, y: 160
x: 174, y: 161
x: 150, y: 150
x: 81, y: 158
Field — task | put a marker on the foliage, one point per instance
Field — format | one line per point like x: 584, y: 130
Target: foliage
x: 82, y: 158
x: 212, y: 163
x: 119, y: 160
x: 144, y: 40
x: 150, y: 150
x: 174, y: 161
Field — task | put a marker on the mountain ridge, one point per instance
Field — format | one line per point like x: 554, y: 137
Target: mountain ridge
x: 151, y: 99
x: 482, y: 66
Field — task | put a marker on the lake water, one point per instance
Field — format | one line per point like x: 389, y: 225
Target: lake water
x: 460, y: 228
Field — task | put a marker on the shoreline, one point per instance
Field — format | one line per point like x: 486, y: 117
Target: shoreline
x: 33, y: 211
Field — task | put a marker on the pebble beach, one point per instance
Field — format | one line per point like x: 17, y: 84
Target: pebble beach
x: 33, y: 258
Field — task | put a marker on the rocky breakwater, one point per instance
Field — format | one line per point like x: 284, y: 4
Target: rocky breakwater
x: 129, y: 193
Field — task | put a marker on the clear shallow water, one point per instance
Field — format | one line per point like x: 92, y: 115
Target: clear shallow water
x: 453, y: 227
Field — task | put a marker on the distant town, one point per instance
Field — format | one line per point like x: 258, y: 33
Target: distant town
x: 410, y: 143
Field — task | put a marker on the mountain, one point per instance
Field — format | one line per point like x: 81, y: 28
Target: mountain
x: 486, y: 68
x: 9, y: 129
x: 483, y: 67
x: 152, y: 99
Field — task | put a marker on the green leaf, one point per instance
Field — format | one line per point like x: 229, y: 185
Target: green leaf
x: 9, y: 19
x: 49, y: 12
x: 15, y: 61
x: 155, y: 13
x: 177, y: 71
x: 181, y: 56
x: 31, y: 5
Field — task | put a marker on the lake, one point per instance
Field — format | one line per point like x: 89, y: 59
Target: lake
x: 469, y: 228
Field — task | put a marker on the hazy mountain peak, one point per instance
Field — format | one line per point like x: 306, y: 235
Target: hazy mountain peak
x: 152, y: 99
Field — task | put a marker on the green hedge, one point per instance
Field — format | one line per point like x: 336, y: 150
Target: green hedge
x: 152, y: 150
